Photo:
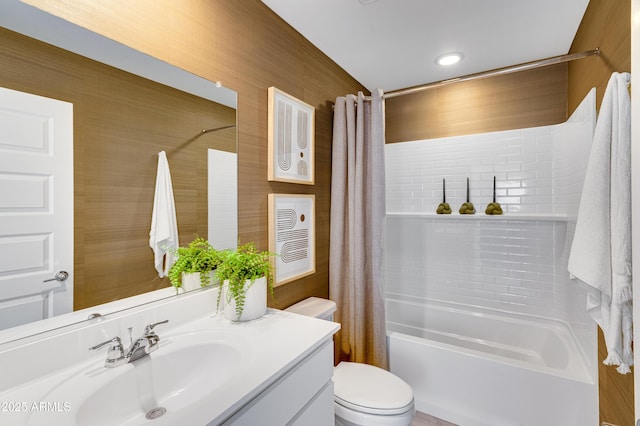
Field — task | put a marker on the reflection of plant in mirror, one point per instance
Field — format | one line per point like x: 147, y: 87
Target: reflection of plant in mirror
x: 241, y: 267
x: 198, y: 256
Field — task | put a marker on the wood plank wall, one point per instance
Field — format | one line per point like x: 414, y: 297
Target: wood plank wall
x: 513, y: 101
x: 607, y: 25
x: 248, y: 48
x: 121, y: 122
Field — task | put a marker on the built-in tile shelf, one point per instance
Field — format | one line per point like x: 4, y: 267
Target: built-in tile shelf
x: 530, y: 217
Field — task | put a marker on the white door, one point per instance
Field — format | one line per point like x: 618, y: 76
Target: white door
x: 36, y: 207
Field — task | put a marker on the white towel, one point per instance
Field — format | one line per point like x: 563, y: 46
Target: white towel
x: 163, y: 237
x: 601, y: 250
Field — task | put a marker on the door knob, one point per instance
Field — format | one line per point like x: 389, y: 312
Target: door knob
x: 60, y: 276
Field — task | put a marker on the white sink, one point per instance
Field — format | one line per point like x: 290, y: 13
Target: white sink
x: 186, y: 369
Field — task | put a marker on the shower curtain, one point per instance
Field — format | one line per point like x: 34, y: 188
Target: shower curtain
x: 357, y: 221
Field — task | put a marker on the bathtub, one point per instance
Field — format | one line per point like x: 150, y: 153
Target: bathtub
x: 479, y: 367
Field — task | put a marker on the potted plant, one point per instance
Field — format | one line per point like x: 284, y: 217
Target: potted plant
x: 194, y: 265
x: 246, y: 275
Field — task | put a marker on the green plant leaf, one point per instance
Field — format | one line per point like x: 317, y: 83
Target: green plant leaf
x: 198, y: 256
x: 238, y: 271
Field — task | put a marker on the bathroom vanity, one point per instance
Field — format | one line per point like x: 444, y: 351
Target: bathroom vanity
x: 206, y: 370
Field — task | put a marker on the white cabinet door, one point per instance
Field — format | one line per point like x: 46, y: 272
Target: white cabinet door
x: 305, y: 387
x: 36, y: 207
x: 319, y: 412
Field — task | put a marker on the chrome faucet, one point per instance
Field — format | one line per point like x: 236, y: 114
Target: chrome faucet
x: 115, y: 354
x: 139, y: 348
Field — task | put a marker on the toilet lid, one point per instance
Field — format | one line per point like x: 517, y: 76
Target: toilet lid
x: 370, y: 389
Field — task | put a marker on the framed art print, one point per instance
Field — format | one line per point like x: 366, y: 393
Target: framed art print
x: 291, y: 139
x: 292, y: 236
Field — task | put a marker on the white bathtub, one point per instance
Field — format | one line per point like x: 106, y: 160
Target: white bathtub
x: 478, y: 367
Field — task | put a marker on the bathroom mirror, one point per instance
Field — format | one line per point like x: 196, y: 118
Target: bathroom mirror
x: 114, y: 162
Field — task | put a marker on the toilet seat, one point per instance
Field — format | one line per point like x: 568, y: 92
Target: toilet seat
x: 369, y: 389
x: 374, y: 411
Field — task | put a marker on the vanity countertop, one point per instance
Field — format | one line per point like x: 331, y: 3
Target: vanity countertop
x: 270, y: 346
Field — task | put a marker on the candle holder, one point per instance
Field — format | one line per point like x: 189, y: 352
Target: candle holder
x: 443, y: 207
x: 494, y: 208
x: 467, y: 207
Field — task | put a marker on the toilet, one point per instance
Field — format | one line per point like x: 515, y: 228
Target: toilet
x: 364, y: 395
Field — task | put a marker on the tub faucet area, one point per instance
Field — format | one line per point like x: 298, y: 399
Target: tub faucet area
x: 139, y: 348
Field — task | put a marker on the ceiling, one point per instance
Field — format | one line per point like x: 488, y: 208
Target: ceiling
x: 393, y: 44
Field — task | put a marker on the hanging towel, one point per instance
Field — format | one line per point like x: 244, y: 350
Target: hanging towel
x: 601, y: 251
x: 163, y: 237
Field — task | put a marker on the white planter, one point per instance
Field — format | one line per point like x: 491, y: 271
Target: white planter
x: 255, y: 304
x: 191, y: 280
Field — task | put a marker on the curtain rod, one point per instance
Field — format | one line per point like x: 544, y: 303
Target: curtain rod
x: 202, y: 132
x: 500, y: 71
x: 217, y: 128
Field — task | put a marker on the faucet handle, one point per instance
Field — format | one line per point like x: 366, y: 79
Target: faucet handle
x: 116, y: 341
x: 149, y: 328
x: 115, y: 354
x: 152, y: 338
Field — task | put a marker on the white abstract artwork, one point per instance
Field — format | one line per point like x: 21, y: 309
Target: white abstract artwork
x: 292, y: 236
x: 291, y: 139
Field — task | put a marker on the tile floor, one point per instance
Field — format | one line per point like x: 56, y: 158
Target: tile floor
x: 422, y: 419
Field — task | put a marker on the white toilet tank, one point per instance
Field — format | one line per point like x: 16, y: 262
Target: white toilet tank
x: 364, y: 395
x: 314, y: 307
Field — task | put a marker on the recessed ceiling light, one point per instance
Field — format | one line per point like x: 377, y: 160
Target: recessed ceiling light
x: 449, y: 59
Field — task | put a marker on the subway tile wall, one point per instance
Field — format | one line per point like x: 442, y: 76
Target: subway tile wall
x: 514, y: 265
x: 521, y: 161
x: 516, y: 262
x: 537, y: 170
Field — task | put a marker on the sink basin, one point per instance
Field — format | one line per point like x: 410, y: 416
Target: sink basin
x: 183, y: 371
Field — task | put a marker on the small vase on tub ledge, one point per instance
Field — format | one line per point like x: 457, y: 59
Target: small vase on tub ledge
x: 246, y: 276
x: 195, y: 266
